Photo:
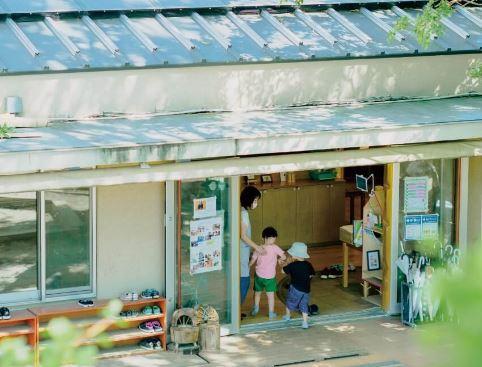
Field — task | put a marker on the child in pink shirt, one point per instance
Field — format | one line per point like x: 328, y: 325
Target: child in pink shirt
x: 265, y: 277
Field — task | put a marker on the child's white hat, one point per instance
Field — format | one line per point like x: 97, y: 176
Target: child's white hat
x: 299, y: 249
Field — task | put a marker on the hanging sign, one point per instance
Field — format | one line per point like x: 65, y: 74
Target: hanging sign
x: 204, y: 207
x: 206, y: 241
x: 413, y: 227
x: 415, y: 194
x: 430, y: 226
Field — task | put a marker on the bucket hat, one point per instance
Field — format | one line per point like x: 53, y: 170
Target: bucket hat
x: 299, y: 249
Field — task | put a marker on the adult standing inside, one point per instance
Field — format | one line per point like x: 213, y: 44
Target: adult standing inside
x: 249, y: 201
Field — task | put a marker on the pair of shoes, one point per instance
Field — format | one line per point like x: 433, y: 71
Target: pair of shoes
x: 5, y: 313
x: 151, y: 310
x: 150, y: 293
x: 286, y: 318
x: 272, y: 315
x: 129, y: 296
x: 86, y: 303
x: 332, y: 272
x: 254, y: 311
x: 129, y: 313
x: 305, y: 325
x: 150, y: 344
x: 151, y: 326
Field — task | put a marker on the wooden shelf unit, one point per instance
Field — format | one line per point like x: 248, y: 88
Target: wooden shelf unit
x: 21, y: 324
x: 125, y: 339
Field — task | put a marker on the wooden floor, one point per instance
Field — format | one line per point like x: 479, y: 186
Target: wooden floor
x: 327, y: 294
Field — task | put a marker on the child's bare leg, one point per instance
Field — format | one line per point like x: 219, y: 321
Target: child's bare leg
x: 257, y: 297
x: 270, y: 296
x: 305, y: 325
x: 288, y: 313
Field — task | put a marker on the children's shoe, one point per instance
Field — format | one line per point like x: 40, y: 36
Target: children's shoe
x: 147, y: 310
x: 147, y: 344
x: 156, y: 310
x: 85, y: 303
x: 305, y: 325
x: 157, y: 344
x: 286, y: 318
x: 146, y: 327
x: 146, y: 294
x: 254, y: 311
x: 324, y: 273
x: 272, y: 315
x: 335, y: 273
x: 5, y: 314
x: 156, y: 325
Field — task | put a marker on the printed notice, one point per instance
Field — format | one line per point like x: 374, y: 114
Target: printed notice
x: 413, y: 228
x: 430, y: 226
x: 415, y: 194
x: 204, y: 207
x: 206, y: 241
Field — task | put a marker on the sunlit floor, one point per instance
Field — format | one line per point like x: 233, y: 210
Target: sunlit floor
x: 327, y: 294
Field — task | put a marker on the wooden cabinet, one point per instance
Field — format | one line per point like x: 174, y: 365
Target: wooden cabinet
x: 310, y: 212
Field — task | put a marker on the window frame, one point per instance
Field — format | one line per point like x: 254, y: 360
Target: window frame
x: 41, y: 295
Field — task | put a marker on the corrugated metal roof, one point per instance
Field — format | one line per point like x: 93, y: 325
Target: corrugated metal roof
x: 118, y: 34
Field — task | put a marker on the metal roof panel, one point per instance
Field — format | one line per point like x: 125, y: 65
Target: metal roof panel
x: 38, y: 6
x: 109, y: 5
x: 14, y: 55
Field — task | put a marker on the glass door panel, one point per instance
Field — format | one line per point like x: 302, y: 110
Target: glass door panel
x: 204, y: 245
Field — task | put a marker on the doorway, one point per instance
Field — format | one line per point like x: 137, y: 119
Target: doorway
x: 313, y: 207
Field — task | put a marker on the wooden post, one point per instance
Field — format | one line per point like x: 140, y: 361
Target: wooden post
x: 209, y: 338
x: 345, y: 265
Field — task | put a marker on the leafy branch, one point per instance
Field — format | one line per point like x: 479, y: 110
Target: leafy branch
x: 5, y: 131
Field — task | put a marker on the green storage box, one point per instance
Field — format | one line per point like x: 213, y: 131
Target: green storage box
x: 323, y: 174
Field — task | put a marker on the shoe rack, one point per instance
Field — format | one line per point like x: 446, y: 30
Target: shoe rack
x: 22, y: 324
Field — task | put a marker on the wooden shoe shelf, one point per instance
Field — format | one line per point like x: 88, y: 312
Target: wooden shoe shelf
x: 124, y: 338
x: 21, y: 324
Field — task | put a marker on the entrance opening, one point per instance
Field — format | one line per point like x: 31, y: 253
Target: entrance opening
x: 323, y: 208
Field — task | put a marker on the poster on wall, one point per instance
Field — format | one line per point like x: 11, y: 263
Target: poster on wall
x: 413, y: 228
x: 204, y: 207
x: 430, y: 226
x: 206, y: 241
x: 415, y: 194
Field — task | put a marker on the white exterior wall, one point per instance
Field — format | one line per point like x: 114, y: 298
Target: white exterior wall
x: 474, y: 225
x: 130, y: 238
x: 237, y: 87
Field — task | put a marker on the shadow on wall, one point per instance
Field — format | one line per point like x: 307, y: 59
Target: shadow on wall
x: 238, y: 88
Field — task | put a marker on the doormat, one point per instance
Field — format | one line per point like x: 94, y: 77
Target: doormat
x: 369, y: 313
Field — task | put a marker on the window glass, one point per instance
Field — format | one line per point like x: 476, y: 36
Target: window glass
x: 18, y: 244
x: 204, y: 252
x: 67, y: 226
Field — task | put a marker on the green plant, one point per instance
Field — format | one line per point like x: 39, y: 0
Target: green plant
x: 5, y: 131
x: 65, y: 344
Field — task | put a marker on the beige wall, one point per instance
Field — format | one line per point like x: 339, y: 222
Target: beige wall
x: 237, y: 87
x: 474, y: 230
x: 130, y: 238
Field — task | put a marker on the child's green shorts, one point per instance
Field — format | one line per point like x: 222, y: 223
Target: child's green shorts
x: 261, y: 284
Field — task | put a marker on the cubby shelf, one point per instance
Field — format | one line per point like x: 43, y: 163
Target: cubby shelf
x: 124, y: 336
x: 21, y: 324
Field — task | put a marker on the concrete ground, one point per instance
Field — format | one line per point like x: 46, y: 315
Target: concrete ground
x: 375, y: 342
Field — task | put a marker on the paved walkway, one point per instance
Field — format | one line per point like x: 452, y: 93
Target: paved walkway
x: 375, y: 342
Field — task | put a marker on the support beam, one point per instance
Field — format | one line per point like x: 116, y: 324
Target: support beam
x: 380, y: 23
x: 357, y: 32
x: 146, y: 41
x: 22, y: 37
x: 100, y: 34
x: 203, y: 23
x: 175, y: 32
x: 241, y: 24
x: 294, y: 39
x: 305, y: 18
x: 69, y: 45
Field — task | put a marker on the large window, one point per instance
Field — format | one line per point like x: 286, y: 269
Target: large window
x: 46, y: 245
